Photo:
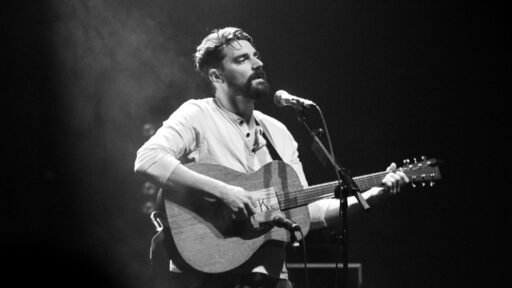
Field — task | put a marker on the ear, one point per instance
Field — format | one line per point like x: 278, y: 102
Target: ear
x: 215, y: 76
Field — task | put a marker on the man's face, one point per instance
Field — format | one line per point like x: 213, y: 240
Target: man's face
x: 243, y: 70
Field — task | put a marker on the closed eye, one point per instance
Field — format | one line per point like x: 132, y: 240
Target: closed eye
x: 241, y: 58
x: 244, y: 57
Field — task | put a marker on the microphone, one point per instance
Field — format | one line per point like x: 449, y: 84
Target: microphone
x: 283, y: 98
x: 286, y: 223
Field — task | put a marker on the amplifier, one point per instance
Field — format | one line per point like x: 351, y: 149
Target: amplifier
x: 322, y: 275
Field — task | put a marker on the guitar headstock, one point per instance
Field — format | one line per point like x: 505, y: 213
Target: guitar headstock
x: 424, y: 171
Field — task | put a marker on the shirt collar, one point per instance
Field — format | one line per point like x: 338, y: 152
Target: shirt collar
x: 232, y: 116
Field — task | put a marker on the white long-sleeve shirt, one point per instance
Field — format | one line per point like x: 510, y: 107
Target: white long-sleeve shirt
x: 205, y: 132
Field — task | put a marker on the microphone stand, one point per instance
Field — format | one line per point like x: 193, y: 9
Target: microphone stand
x: 346, y: 187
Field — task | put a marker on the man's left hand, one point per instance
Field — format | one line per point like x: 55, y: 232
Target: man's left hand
x: 394, y: 179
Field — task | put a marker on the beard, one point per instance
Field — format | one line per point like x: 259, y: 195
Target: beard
x: 257, y: 85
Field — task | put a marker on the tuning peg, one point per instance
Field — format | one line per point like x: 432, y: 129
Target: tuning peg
x: 407, y: 161
x: 423, y: 158
x: 413, y: 185
x: 423, y: 184
x: 432, y: 183
x: 414, y: 159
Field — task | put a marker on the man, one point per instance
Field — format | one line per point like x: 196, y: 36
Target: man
x: 226, y: 130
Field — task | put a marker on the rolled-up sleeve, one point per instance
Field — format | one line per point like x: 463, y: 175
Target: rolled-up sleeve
x: 318, y: 209
x: 158, y: 157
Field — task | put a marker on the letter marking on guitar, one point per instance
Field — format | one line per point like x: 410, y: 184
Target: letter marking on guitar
x: 267, y: 200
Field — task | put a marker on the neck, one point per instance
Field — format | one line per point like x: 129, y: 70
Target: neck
x: 238, y: 104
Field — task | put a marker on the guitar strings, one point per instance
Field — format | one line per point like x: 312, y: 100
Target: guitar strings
x: 321, y: 191
x: 310, y: 194
x: 316, y: 192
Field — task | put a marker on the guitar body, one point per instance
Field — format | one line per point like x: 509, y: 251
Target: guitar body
x: 204, y: 235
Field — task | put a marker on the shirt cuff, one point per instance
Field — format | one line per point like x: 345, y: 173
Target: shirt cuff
x: 317, y: 212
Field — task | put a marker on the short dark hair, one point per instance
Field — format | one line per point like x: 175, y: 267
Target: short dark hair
x: 209, y: 52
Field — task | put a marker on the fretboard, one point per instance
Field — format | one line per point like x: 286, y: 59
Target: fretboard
x: 293, y: 199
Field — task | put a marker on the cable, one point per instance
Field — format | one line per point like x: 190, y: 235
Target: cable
x: 305, y: 258
x: 292, y: 227
x: 328, y: 136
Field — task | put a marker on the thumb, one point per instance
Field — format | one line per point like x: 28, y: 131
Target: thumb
x: 391, y: 167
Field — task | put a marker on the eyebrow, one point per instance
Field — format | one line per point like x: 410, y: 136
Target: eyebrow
x: 255, y: 53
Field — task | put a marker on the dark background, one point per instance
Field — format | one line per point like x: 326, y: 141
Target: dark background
x: 394, y: 80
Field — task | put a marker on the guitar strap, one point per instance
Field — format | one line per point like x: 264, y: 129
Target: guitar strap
x: 270, y: 146
x: 271, y: 149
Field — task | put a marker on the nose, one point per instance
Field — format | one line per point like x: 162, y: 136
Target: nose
x: 256, y: 63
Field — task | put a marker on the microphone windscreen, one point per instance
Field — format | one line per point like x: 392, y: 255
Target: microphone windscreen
x: 278, y: 96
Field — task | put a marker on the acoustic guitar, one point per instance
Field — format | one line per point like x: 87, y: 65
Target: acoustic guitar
x: 205, y: 236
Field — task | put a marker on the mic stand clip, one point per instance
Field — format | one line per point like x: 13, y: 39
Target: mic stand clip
x: 289, y: 225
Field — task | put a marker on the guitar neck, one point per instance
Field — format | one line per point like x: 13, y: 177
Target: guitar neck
x: 326, y: 190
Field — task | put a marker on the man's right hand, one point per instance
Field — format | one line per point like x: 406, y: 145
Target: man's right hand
x: 240, y: 201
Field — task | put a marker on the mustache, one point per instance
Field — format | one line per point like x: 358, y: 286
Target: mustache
x: 258, y: 74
